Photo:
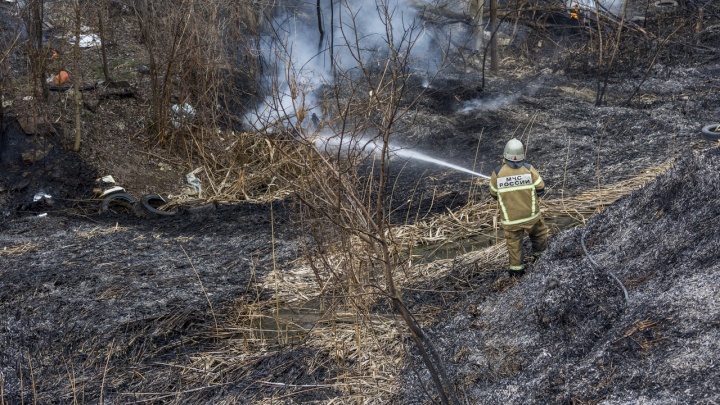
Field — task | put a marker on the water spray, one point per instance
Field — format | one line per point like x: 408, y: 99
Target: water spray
x: 410, y: 154
x: 373, y: 147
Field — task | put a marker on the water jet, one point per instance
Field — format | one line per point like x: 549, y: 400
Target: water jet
x: 374, y: 147
x: 411, y: 154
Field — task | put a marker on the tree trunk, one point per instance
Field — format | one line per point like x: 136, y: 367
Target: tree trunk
x: 101, y: 29
x: 76, y: 73
x: 39, y: 55
x: 476, y: 9
x: 332, y: 35
x: 320, y: 25
x: 2, y: 117
x: 494, y: 58
x: 144, y: 16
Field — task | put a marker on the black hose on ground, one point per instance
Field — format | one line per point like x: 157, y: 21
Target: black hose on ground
x: 597, y: 266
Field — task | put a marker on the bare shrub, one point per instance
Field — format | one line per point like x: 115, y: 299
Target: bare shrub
x: 344, y: 181
x: 8, y: 44
x: 199, y: 54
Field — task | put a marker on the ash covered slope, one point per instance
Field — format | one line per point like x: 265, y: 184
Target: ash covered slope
x: 565, y: 334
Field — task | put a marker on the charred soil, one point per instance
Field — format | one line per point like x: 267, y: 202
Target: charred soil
x: 110, y: 308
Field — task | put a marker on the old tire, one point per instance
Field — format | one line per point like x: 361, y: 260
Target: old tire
x: 197, y: 207
x: 117, y: 202
x: 149, y: 207
x: 711, y: 132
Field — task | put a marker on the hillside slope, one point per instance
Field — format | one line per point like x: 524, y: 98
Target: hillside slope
x: 566, y: 334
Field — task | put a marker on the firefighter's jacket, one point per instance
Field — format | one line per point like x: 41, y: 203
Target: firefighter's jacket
x: 516, y: 190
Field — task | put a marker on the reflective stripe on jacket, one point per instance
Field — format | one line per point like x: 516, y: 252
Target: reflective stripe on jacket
x: 516, y: 192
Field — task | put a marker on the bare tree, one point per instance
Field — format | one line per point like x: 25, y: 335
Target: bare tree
x: 77, y: 96
x: 201, y: 54
x: 494, y: 57
x: 163, y: 28
x: 8, y: 41
x: 345, y: 186
x: 34, y: 14
x: 101, y: 8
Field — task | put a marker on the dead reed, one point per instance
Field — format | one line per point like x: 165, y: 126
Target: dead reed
x: 310, y: 306
x: 365, y: 344
x: 247, y: 169
x: 98, y: 231
x: 17, y: 249
x: 481, y: 218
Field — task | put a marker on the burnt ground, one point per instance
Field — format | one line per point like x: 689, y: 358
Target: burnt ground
x: 106, y: 306
x: 136, y: 291
x: 566, y: 333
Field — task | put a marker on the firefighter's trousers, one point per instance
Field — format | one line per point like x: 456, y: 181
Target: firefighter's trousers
x: 514, y: 235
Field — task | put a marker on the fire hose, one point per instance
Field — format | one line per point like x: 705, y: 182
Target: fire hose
x: 597, y: 266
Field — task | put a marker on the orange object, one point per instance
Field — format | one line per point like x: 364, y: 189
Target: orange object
x: 61, y: 78
x: 576, y: 11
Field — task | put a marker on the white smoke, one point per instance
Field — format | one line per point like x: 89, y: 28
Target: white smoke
x: 611, y: 5
x: 360, y: 32
x: 498, y: 101
x: 488, y: 103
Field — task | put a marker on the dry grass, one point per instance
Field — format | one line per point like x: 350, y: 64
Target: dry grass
x: 304, y: 309
x: 644, y: 333
x: 309, y: 307
x: 250, y: 169
x: 17, y: 249
x: 481, y: 218
x: 98, y: 231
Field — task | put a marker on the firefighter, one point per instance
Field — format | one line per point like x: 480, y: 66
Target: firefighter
x: 516, y: 186
x: 575, y: 11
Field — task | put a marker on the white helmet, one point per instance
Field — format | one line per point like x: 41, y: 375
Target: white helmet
x: 514, y: 151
